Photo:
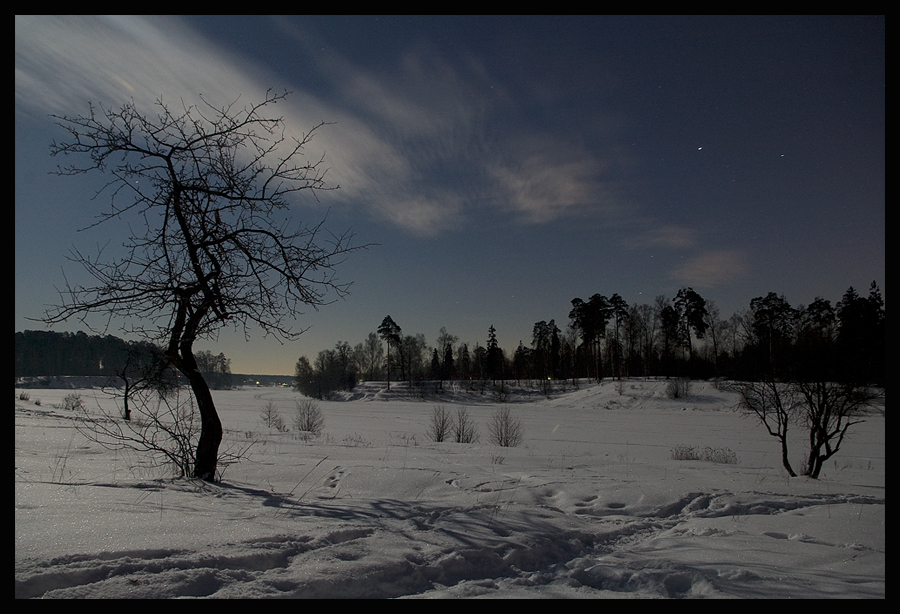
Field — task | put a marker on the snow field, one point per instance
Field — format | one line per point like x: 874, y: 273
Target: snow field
x: 590, y: 505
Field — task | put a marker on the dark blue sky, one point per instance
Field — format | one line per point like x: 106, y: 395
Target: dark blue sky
x: 506, y: 165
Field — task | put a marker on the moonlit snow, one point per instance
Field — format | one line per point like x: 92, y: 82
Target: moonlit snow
x: 591, y: 504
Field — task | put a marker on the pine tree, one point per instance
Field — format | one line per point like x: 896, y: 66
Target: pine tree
x: 861, y: 336
x: 691, y: 308
x: 390, y: 333
x: 494, y: 357
x: 448, y: 362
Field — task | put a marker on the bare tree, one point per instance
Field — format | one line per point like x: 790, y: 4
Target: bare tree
x: 271, y: 417
x: 505, y: 429
x: 775, y: 404
x: 826, y: 409
x: 144, y: 368
x: 714, y: 326
x: 203, y: 189
x: 373, y: 352
x: 465, y: 429
x: 830, y: 408
x: 308, y: 417
x: 441, y: 424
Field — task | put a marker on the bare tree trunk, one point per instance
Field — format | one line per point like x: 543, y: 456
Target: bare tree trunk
x: 128, y: 392
x: 774, y: 404
x: 831, y: 409
x: 784, y: 454
x: 206, y: 458
x: 210, y: 430
x: 182, y: 337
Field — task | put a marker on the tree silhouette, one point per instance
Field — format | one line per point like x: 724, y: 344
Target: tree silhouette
x: 590, y: 319
x: 390, y: 333
x: 773, y: 328
x: 444, y: 347
x: 494, y: 356
x: 203, y: 189
x: 691, y: 308
x: 618, y: 311
x: 861, y: 335
x: 669, y: 326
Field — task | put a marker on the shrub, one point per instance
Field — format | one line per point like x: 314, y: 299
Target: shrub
x: 678, y: 388
x: 356, y: 441
x: 73, y: 402
x: 465, y: 429
x: 505, y: 429
x: 713, y: 455
x: 308, y: 417
x: 441, y: 424
x: 271, y: 417
x: 165, y: 428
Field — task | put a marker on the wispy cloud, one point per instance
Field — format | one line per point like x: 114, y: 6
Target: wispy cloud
x: 661, y: 235
x: 542, y: 178
x: 711, y: 269
x: 64, y: 62
x: 423, y: 144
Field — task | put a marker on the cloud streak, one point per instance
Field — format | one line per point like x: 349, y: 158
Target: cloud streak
x: 422, y: 144
x: 64, y: 62
x: 710, y: 269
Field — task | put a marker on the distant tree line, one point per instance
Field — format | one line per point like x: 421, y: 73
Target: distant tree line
x: 48, y: 353
x: 685, y: 336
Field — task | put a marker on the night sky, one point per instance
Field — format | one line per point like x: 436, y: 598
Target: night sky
x: 504, y: 165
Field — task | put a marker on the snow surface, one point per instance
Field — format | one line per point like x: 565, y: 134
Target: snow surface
x: 592, y: 504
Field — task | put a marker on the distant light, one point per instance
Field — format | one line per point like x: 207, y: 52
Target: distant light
x: 699, y: 148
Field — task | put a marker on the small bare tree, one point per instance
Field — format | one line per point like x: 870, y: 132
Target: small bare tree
x: 829, y: 409
x: 826, y: 409
x: 678, y: 388
x: 308, y: 417
x: 271, y: 417
x: 204, y: 190
x: 441, y: 424
x: 465, y: 429
x: 145, y: 368
x: 775, y: 404
x: 163, y: 427
x: 505, y: 429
